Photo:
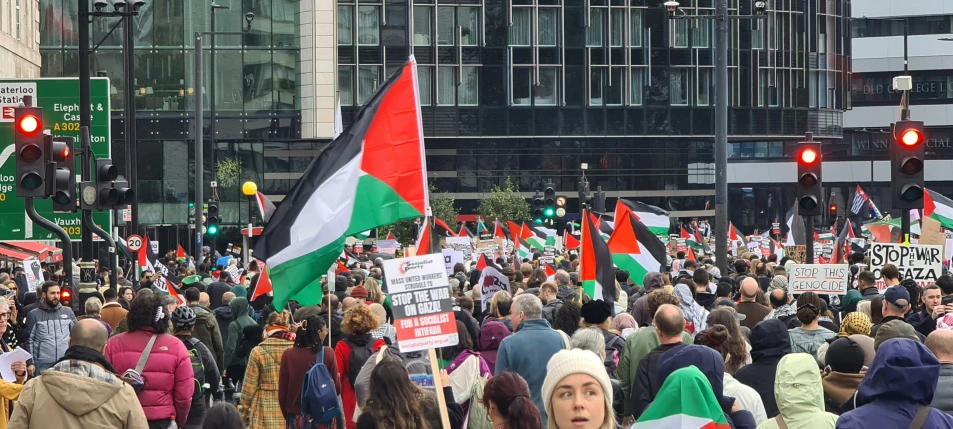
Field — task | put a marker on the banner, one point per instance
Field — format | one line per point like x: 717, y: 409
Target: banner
x: 491, y: 282
x: 830, y: 279
x: 923, y: 263
x: 387, y: 246
x: 423, y: 309
x: 450, y: 258
x: 34, y: 274
x: 549, y: 255
x: 681, y: 245
x: 796, y: 253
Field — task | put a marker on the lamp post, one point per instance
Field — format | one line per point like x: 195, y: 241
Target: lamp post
x: 721, y: 18
x: 250, y: 189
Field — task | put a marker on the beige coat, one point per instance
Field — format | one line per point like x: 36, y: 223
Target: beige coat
x: 80, y: 395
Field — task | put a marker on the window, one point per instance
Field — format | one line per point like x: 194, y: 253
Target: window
x: 545, y: 92
x: 346, y: 85
x: 679, y: 33
x: 595, y: 87
x: 635, y: 87
x: 617, y: 27
x: 635, y: 27
x: 468, y: 93
x: 446, y: 86
x: 762, y: 87
x: 594, y: 33
x: 423, y: 31
x: 345, y: 22
x: 368, y: 29
x: 704, y: 87
x: 613, y: 86
x: 757, y: 35
x: 678, y: 86
x: 812, y: 89
x: 548, y: 26
x: 468, y: 19
x: 18, y: 19
x: 522, y: 26
x: 425, y: 85
x: 368, y: 78
x: 701, y: 31
x: 449, y: 18
x: 446, y: 30
x: 522, y: 82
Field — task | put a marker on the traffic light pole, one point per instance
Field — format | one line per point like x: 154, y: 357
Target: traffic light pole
x: 92, y: 227
x: 64, y: 238
x: 721, y: 133
x: 86, y: 248
x: 199, y: 137
x: 809, y: 239
x: 129, y: 67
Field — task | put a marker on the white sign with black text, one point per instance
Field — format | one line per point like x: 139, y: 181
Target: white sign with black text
x: 922, y: 263
x: 818, y: 278
x: 450, y: 258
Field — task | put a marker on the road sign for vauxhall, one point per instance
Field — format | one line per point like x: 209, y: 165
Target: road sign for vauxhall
x: 59, y: 98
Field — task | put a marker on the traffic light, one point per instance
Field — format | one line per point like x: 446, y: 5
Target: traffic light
x: 29, y: 144
x: 213, y: 218
x: 549, y: 201
x: 107, y: 192
x: 833, y: 210
x: 62, y: 173
x: 809, y: 177
x: 907, y: 160
x: 538, y: 208
x: 583, y: 196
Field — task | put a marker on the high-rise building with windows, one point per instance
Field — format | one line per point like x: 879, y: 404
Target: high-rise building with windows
x: 531, y: 89
x: 19, y: 44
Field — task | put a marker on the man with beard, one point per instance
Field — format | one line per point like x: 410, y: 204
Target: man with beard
x: 48, y: 328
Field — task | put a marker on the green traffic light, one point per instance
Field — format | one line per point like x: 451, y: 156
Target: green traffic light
x: 538, y: 220
x: 212, y: 230
x: 191, y: 205
x: 549, y: 212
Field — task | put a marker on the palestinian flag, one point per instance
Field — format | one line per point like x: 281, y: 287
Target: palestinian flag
x: 464, y: 232
x: 654, y: 218
x: 595, y: 264
x: 180, y: 254
x: 265, y: 207
x: 635, y: 249
x: 734, y: 234
x: 148, y: 261
x: 498, y: 232
x: 889, y: 231
x: 480, y: 228
x: 602, y: 225
x: 539, y: 237
x: 441, y: 229
x: 842, y: 247
x: 691, y: 239
x: 391, y: 236
x: 425, y: 242
x: 514, y: 232
x: 263, y: 285
x: 481, y: 262
x: 685, y: 401
x: 796, y: 229
x: 550, y: 271
x: 938, y: 207
x: 374, y: 174
x: 570, y: 241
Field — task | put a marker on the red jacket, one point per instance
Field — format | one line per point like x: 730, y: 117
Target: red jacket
x: 342, y: 357
x: 168, y: 372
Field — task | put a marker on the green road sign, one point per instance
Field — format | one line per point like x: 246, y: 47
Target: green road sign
x: 59, y: 99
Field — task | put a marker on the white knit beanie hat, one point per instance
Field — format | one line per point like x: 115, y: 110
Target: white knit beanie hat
x: 569, y: 362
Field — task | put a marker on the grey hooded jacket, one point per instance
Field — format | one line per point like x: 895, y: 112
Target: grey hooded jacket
x: 48, y: 332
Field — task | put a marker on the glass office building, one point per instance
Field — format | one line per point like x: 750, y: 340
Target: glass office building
x: 257, y: 98
x: 531, y: 89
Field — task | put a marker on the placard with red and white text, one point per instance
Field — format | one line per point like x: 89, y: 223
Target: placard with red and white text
x: 422, y: 304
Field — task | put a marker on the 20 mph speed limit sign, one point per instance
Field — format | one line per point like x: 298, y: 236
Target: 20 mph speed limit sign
x: 134, y: 242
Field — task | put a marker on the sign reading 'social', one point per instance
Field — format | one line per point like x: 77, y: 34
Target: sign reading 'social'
x: 922, y: 263
x: 423, y: 308
x: 828, y: 279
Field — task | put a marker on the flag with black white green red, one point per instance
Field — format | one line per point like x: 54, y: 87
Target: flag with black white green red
x: 424, y: 244
x: 570, y: 241
x: 540, y: 237
x: 938, y: 207
x: 685, y: 401
x: 595, y: 263
x: 441, y: 229
x: 636, y: 249
x: 690, y: 239
x: 654, y: 218
x: 265, y: 207
x: 480, y: 228
x: 372, y: 175
x: 498, y: 231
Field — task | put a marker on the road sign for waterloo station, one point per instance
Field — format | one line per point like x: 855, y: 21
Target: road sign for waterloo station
x: 59, y: 98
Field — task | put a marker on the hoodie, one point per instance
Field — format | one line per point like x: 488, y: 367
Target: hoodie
x: 74, y: 395
x: 769, y: 343
x: 902, y: 377
x: 241, y: 320
x: 640, y: 309
x: 799, y: 395
x: 223, y: 315
x: 712, y: 365
x: 491, y: 336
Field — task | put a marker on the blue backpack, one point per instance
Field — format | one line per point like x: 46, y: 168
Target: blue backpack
x: 318, y: 397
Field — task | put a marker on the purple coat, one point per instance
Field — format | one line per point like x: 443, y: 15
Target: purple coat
x: 491, y: 335
x: 168, y: 372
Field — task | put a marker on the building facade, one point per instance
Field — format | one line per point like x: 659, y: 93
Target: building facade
x: 531, y: 89
x: 862, y: 156
x: 19, y: 39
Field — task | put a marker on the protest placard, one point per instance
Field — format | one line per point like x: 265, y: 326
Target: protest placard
x: 796, y: 253
x: 922, y: 263
x: 549, y: 254
x: 34, y: 274
x: 387, y: 246
x: 450, y: 258
x: 818, y: 278
x: 423, y: 309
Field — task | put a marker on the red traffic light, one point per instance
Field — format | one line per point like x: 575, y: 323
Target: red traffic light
x: 808, y: 156
x: 29, y: 124
x: 833, y: 208
x: 911, y: 137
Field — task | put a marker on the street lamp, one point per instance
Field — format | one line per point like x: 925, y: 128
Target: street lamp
x: 250, y: 189
x: 721, y: 18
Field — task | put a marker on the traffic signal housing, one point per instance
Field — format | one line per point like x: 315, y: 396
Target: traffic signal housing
x: 62, y: 173
x: 549, y: 201
x: 108, y: 191
x: 907, y: 162
x: 584, y: 196
x: 809, y: 193
x: 538, y: 208
x: 212, y: 219
x: 30, y: 147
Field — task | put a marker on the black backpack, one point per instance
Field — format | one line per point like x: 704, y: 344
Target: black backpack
x: 198, y: 367
x: 359, y: 355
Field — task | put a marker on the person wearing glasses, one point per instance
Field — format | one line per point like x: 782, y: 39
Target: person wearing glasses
x: 9, y: 391
x: 15, y: 334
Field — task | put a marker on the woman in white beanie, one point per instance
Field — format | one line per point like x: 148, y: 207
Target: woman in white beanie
x: 577, y: 392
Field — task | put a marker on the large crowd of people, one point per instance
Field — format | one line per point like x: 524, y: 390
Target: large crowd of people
x: 680, y: 347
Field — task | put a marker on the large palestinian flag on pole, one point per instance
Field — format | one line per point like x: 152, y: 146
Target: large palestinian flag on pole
x: 654, y: 218
x: 635, y: 249
x: 938, y: 207
x: 372, y: 175
x: 685, y: 401
x: 595, y: 264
